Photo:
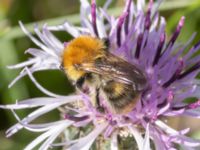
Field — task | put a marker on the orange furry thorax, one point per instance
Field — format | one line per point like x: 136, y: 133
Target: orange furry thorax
x: 83, y: 49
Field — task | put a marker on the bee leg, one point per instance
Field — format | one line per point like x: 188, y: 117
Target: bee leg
x: 99, y: 107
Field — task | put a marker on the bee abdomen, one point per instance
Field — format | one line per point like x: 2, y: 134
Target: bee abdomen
x: 120, y: 96
x: 121, y: 100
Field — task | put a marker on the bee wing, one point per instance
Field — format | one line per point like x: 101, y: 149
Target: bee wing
x: 117, y: 69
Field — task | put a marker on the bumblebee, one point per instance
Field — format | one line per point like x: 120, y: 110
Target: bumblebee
x: 94, y: 70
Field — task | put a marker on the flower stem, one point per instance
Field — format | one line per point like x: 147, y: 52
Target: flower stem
x: 15, y: 32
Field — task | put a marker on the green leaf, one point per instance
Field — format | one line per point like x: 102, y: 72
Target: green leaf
x: 19, y: 91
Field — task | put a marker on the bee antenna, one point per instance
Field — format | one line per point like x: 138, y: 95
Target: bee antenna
x: 62, y: 67
x: 106, y: 42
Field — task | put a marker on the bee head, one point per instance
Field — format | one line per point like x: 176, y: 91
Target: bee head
x: 83, y: 49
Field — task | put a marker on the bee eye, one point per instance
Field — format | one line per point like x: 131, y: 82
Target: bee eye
x: 88, y: 76
x: 80, y: 81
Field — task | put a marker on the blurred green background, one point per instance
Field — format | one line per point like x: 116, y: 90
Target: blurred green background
x: 13, y: 43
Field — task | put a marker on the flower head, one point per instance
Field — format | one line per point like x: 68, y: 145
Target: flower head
x: 139, y: 38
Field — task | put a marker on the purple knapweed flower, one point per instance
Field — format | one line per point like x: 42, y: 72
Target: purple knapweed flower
x: 138, y: 37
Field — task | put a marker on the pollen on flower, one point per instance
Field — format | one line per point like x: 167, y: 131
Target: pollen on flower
x: 124, y: 132
x: 100, y: 121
